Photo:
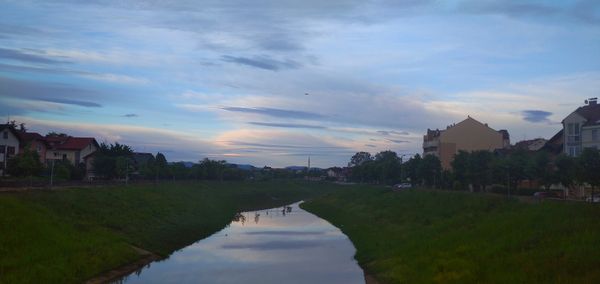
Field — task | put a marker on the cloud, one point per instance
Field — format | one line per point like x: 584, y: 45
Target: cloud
x: 18, y: 30
x: 108, y: 77
x: 582, y: 11
x: 287, y: 125
x: 279, y: 146
x: 130, y: 115
x: 275, y: 112
x: 19, y: 55
x: 392, y: 132
x: 508, y: 8
x: 262, y: 62
x: 536, y: 116
x: 398, y: 141
x: 275, y: 245
x: 177, y: 145
x: 48, y: 92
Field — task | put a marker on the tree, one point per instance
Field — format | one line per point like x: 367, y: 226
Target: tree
x: 56, y: 134
x: 566, y: 170
x: 26, y: 164
x: 161, y: 166
x: 388, y: 166
x: 106, y: 157
x: 359, y: 158
x: 510, y: 169
x: 211, y: 169
x: 122, y: 166
x: 479, y: 169
x: 460, y: 169
x: 148, y: 169
x: 178, y: 170
x: 411, y: 169
x: 589, y: 163
x: 430, y: 170
x: 541, y: 169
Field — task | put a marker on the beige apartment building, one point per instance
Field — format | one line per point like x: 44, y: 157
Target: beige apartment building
x: 468, y: 135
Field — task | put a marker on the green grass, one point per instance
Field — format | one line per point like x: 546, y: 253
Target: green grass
x: 454, y: 237
x: 69, y: 236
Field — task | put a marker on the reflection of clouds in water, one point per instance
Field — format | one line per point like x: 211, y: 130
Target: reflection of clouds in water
x: 275, y: 245
x: 293, y: 233
x: 272, y: 249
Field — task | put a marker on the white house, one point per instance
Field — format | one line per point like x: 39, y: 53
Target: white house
x: 582, y: 128
x: 9, y: 145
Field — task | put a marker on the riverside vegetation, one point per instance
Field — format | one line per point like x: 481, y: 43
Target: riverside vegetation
x: 422, y: 236
x: 69, y: 236
x: 413, y: 236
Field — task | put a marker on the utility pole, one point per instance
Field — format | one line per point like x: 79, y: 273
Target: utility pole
x: 52, y: 174
x: 126, y: 171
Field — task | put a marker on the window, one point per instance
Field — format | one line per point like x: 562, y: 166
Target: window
x: 595, y: 136
x: 5, y: 134
x: 64, y: 156
x: 574, y: 151
x: 2, y: 149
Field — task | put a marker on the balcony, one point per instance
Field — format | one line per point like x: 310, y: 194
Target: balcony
x: 431, y: 144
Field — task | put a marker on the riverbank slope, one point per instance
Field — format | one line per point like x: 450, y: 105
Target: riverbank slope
x: 71, y: 235
x: 419, y: 236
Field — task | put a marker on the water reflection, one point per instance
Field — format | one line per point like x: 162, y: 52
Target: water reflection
x: 285, y: 244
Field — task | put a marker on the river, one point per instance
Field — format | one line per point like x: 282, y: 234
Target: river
x: 279, y: 245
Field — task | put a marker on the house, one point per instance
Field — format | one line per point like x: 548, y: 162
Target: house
x: 9, y: 145
x: 33, y: 141
x: 581, y: 128
x: 77, y: 150
x: 531, y: 145
x: 554, y: 145
x: 337, y: 173
x: 468, y: 135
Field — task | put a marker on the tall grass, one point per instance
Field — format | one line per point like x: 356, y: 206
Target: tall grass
x: 69, y: 236
x: 453, y: 237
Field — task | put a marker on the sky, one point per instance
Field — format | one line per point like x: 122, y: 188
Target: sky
x: 271, y: 82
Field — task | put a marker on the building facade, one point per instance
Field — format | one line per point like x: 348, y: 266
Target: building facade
x: 468, y: 135
x: 9, y: 145
x: 77, y: 150
x: 34, y: 142
x: 581, y: 128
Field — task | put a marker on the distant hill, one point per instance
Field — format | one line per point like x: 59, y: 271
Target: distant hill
x: 295, y: 168
x: 300, y: 168
x: 245, y: 167
x: 187, y: 164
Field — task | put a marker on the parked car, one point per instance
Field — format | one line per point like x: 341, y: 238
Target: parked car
x: 403, y: 185
x: 540, y: 194
x: 596, y: 199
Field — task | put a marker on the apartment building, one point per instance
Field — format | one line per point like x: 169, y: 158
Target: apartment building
x: 468, y: 135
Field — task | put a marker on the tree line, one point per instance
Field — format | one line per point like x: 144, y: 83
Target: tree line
x: 480, y: 170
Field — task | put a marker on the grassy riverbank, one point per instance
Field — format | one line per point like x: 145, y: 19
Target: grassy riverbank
x: 69, y: 236
x: 454, y: 237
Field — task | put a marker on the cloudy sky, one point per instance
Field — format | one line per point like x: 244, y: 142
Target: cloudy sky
x: 229, y: 79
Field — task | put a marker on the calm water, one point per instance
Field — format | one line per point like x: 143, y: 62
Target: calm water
x: 279, y: 245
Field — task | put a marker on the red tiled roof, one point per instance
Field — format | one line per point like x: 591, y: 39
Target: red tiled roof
x: 70, y: 143
x: 29, y: 136
x: 76, y: 143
